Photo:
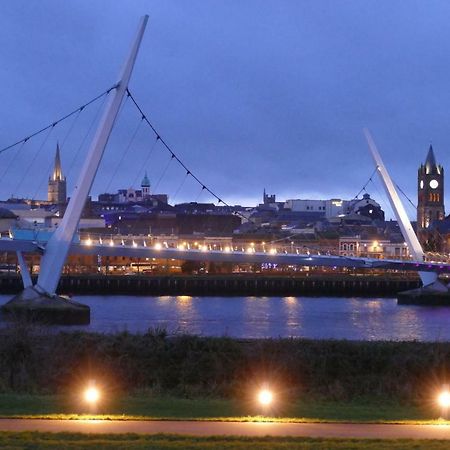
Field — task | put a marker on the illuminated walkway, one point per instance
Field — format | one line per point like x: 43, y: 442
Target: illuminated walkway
x: 205, y: 428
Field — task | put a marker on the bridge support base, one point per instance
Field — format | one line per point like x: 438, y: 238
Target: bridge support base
x: 435, y: 294
x: 50, y: 310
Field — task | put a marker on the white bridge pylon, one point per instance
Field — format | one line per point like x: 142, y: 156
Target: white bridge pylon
x: 402, y: 218
x: 58, y: 246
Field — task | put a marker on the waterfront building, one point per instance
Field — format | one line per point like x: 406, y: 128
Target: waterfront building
x: 430, y: 193
x: 57, y: 190
x: 372, y: 247
x: 336, y: 207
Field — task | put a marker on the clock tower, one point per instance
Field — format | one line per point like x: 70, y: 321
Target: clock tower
x: 430, y: 188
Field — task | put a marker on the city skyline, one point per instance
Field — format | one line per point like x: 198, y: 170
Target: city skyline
x: 274, y: 96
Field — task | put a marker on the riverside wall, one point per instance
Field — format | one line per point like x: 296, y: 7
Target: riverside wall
x: 223, y: 285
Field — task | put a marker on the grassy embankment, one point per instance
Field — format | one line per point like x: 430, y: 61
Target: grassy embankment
x: 146, y: 407
x: 62, y: 441
x: 160, y: 376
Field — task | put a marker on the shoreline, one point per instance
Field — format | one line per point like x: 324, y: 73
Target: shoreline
x: 224, y: 285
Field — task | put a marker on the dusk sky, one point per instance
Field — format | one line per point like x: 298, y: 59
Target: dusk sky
x: 250, y: 94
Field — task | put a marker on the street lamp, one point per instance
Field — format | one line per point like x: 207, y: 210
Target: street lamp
x: 444, y: 401
x: 265, y: 397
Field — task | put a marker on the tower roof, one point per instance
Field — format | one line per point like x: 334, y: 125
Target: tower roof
x: 145, y: 181
x: 430, y: 162
x: 57, y: 171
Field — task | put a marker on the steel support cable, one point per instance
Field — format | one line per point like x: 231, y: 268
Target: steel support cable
x: 147, y: 159
x: 83, y: 141
x: 49, y: 168
x: 175, y: 195
x: 163, y: 172
x: 25, y: 174
x: 174, y: 156
x: 407, y: 198
x: 11, y: 162
x: 61, y: 119
x: 366, y: 183
x: 133, y: 136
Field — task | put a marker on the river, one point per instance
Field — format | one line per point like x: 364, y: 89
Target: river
x: 262, y: 317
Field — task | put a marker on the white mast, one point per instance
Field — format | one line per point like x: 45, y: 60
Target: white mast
x: 402, y: 218
x: 58, y: 245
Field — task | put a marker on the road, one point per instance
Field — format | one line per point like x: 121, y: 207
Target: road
x: 198, y: 428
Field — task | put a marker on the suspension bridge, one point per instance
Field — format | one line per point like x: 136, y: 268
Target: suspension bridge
x: 40, y: 298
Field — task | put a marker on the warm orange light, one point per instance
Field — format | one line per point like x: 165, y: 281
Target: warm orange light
x: 265, y: 397
x: 92, y: 395
x: 444, y: 399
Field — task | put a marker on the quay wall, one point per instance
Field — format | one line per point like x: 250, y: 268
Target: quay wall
x: 223, y: 285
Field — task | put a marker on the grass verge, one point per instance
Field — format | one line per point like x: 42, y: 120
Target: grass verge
x: 147, y: 407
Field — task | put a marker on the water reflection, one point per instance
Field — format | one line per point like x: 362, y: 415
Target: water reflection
x: 258, y: 317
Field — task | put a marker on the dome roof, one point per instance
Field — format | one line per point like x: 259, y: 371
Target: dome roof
x: 7, y: 214
x: 145, y: 181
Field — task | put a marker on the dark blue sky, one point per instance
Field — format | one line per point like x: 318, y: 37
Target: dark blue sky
x: 250, y: 94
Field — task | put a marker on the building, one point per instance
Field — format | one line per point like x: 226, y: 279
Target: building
x: 430, y: 193
x: 375, y: 247
x: 132, y: 195
x: 57, y: 191
x: 336, y: 207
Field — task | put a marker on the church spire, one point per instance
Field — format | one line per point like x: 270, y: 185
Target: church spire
x: 430, y: 162
x: 57, y: 172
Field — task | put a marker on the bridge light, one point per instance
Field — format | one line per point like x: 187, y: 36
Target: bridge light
x: 157, y: 246
x: 273, y: 251
x: 249, y: 250
x: 145, y: 244
x: 88, y: 241
x: 204, y: 248
x: 226, y: 249
x: 134, y: 244
x: 111, y: 243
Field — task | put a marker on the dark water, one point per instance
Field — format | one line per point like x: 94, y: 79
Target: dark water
x: 258, y: 317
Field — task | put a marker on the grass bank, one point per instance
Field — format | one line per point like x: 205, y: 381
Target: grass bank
x: 61, y: 441
x: 33, y: 360
x: 147, y: 407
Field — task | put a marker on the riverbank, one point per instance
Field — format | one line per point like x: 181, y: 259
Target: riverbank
x: 232, y: 285
x: 32, y: 360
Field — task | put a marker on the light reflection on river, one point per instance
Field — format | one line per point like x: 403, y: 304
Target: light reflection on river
x: 258, y: 317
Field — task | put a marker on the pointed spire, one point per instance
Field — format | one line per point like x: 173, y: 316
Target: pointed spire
x: 430, y: 162
x: 57, y: 172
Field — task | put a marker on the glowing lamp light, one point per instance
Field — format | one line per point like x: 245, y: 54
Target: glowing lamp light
x: 444, y: 399
x: 134, y: 244
x: 91, y: 395
x: 265, y: 397
x: 250, y: 250
x: 273, y: 251
x: 111, y: 243
x: 227, y: 249
x: 88, y: 241
x: 158, y: 246
x: 204, y: 248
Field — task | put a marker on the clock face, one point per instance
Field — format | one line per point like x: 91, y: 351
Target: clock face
x: 421, y: 184
x: 434, y: 184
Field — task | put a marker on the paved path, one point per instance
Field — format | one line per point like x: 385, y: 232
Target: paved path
x: 341, y: 430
